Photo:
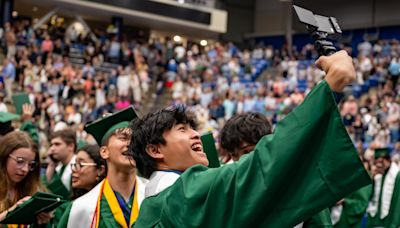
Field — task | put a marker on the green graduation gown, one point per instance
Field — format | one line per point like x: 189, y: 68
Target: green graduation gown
x: 392, y: 220
x: 60, y: 180
x: 32, y: 130
x: 80, y: 212
x: 354, y: 208
x: 56, y: 186
x: 310, y: 147
x: 107, y: 218
x: 322, y: 219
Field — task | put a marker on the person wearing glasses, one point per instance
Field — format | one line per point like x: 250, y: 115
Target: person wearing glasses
x: 115, y: 201
x: 19, y: 173
x: 88, y: 170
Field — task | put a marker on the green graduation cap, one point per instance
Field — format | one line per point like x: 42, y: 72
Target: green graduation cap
x: 26, y: 212
x: 7, y: 117
x: 19, y: 100
x: 382, y: 152
x: 81, y: 143
x: 211, y: 151
x: 103, y: 128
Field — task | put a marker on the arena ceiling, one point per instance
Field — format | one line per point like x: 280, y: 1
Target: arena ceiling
x: 70, y: 8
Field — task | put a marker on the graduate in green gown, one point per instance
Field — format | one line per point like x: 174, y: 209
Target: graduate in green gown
x: 61, y: 155
x: 253, y: 192
x: 240, y: 135
x: 88, y: 171
x: 384, y: 206
x: 115, y: 201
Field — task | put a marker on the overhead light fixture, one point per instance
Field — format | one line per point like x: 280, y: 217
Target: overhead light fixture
x: 34, y: 9
x: 177, y: 38
x: 14, y: 14
x: 203, y: 43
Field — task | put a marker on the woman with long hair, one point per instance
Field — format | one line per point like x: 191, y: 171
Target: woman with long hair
x: 19, y: 172
x: 88, y: 170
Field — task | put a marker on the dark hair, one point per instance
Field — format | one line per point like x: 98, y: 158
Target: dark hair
x: 94, y: 153
x: 67, y: 135
x: 150, y: 129
x: 247, y: 127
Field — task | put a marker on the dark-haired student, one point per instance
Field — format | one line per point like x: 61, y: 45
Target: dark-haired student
x: 183, y: 192
x: 239, y: 137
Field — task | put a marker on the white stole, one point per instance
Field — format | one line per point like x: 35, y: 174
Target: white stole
x: 83, y: 208
x: 160, y: 180
x: 67, y: 174
x: 388, y: 188
x: 336, y: 213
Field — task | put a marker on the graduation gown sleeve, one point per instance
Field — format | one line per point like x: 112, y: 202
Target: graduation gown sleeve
x: 354, y: 208
x: 63, y: 220
x: 307, y: 165
x: 322, y: 219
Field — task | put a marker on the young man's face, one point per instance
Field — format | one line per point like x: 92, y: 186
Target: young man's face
x: 382, y: 164
x: 59, y: 149
x: 117, y: 148
x: 183, y: 148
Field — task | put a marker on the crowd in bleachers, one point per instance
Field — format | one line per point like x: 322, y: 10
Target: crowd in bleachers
x: 75, y: 78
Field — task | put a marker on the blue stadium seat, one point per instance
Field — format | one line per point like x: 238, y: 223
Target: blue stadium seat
x: 373, y: 80
x: 356, y: 91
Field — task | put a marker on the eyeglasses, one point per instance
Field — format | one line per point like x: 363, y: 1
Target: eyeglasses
x: 80, y: 165
x: 21, y: 163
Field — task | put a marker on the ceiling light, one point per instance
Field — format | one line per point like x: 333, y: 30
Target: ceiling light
x: 177, y: 38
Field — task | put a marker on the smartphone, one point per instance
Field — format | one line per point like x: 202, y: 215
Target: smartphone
x: 53, y: 159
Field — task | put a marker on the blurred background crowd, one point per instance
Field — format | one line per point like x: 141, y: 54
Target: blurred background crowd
x: 75, y: 78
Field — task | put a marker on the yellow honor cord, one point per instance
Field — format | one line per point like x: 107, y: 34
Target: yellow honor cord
x: 12, y: 226
x: 114, y: 205
x: 135, y: 206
